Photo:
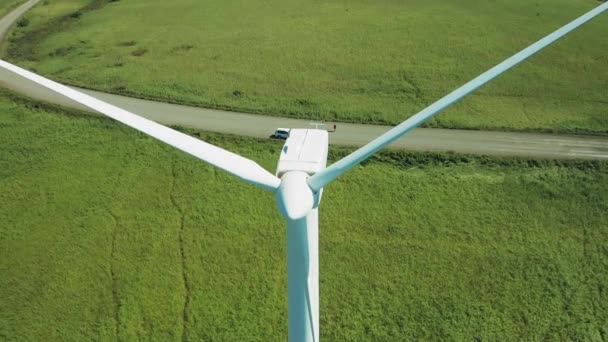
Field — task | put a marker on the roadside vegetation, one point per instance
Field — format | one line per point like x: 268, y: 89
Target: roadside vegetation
x: 7, y: 5
x: 106, y: 233
x: 358, y: 61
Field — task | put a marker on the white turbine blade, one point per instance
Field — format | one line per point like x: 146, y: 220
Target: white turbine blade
x: 324, y: 177
x: 232, y: 163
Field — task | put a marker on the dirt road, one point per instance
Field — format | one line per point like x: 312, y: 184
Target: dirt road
x: 8, y: 20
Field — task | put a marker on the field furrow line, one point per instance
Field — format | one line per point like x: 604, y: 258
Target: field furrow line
x: 182, y: 256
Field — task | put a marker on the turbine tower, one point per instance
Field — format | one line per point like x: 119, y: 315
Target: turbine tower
x: 301, y: 173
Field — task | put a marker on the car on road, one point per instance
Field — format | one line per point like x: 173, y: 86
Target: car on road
x: 281, y: 133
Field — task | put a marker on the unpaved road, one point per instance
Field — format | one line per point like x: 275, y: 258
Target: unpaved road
x: 8, y: 20
x: 421, y: 139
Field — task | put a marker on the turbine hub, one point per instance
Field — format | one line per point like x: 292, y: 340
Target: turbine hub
x: 294, y: 197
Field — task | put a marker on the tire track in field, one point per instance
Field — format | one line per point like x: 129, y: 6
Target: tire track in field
x: 182, y: 256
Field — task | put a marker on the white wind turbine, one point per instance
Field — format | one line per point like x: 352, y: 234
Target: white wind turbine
x: 301, y: 173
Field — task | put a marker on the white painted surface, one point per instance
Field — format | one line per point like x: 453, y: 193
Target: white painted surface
x: 305, y: 150
x: 303, y: 278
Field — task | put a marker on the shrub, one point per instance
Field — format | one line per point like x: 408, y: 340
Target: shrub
x: 23, y: 22
x: 139, y: 52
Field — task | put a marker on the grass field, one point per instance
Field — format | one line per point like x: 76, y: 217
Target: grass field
x: 7, y: 5
x: 360, y: 61
x: 105, y: 233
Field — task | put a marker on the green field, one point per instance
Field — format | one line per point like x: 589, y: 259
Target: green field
x: 106, y: 233
x: 360, y: 61
x: 7, y: 5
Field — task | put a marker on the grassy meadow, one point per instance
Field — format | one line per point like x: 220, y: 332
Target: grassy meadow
x: 7, y: 5
x: 358, y: 61
x: 107, y: 234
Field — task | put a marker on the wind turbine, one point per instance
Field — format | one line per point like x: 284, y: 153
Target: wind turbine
x: 301, y: 172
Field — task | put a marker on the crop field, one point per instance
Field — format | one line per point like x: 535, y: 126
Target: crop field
x: 105, y: 233
x: 359, y: 61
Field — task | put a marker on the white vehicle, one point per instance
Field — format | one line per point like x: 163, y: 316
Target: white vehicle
x: 281, y: 133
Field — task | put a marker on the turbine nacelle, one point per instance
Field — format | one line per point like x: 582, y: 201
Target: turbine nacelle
x: 303, y: 155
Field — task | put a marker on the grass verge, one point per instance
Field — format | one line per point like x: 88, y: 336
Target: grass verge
x: 7, y: 5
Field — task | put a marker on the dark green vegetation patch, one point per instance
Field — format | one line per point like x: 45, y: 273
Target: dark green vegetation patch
x: 361, y: 61
x: 106, y: 233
